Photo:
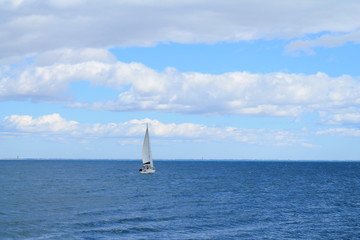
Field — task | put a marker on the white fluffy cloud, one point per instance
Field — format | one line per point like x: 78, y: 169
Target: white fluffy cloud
x: 35, y: 26
x: 143, y: 89
x: 55, y: 125
x: 276, y: 94
x: 49, y: 76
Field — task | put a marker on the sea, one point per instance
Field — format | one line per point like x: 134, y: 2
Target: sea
x: 102, y: 199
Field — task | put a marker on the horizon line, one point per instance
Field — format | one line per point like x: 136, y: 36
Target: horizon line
x: 181, y: 159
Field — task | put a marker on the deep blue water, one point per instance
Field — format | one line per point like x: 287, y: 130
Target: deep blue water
x: 183, y: 200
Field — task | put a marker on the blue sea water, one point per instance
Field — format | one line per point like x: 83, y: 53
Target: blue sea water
x: 183, y: 200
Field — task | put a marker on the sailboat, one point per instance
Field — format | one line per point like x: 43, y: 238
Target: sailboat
x: 147, y: 162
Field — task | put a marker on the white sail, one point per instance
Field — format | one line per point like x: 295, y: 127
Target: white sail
x: 146, y: 150
x: 147, y: 162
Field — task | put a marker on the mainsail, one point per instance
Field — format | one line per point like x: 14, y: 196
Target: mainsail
x: 146, y: 150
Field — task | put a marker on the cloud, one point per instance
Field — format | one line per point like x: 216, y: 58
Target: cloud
x: 6, y: 4
x: 343, y: 132
x: 309, y: 145
x: 34, y: 26
x: 67, y: 3
x: 347, y: 117
x: 73, y: 56
x: 326, y: 40
x: 141, y: 88
x: 277, y: 94
x: 55, y: 125
x: 49, y: 75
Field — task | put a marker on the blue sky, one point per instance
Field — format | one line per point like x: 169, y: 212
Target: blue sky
x: 214, y: 79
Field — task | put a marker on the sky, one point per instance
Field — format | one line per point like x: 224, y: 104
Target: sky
x: 249, y: 79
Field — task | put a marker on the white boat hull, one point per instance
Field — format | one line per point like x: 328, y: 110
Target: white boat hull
x: 147, y: 171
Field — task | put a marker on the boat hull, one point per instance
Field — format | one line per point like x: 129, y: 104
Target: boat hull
x: 147, y: 171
